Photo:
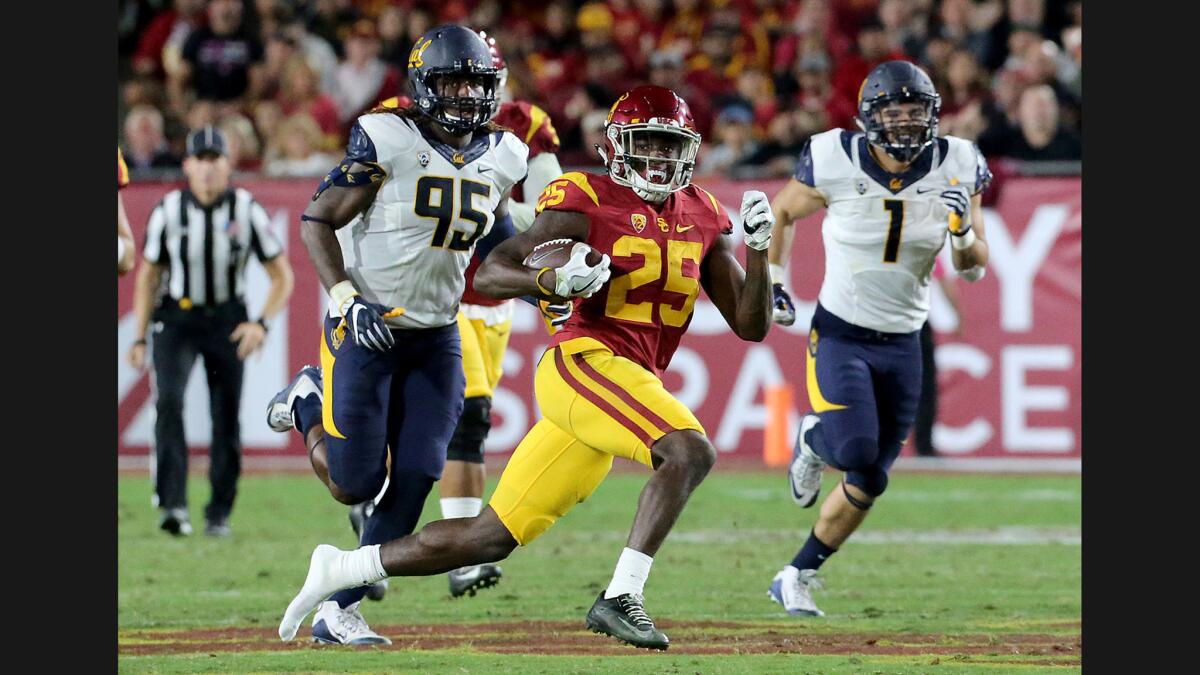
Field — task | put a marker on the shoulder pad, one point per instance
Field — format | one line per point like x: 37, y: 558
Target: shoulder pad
x: 569, y: 192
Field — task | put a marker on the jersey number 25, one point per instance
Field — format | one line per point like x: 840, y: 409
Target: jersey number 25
x: 651, y: 270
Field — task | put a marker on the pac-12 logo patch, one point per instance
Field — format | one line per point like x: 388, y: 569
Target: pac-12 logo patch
x: 423, y: 158
x: 638, y: 220
x: 860, y: 186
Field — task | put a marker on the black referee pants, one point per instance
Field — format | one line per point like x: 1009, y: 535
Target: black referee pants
x: 184, y: 336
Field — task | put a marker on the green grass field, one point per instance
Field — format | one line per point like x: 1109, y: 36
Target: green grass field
x: 951, y: 573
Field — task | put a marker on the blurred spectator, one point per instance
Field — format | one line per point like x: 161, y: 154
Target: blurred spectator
x: 734, y: 130
x: 592, y: 129
x: 685, y: 26
x: 221, y: 60
x: 295, y: 150
x: 1072, y: 39
x: 873, y: 49
x: 1039, y: 135
x: 814, y: 94
x: 299, y: 94
x: 394, y: 45
x: 667, y: 70
x: 958, y: 24
x: 755, y: 89
x: 267, y: 117
x: 316, y: 51
x: 555, y: 59
x: 363, y: 79
x: 145, y: 143
x: 904, y: 28
x: 964, y: 83
x: 776, y: 156
x: 279, y: 49
x: 172, y: 27
x: 330, y: 20
x: 486, y: 16
x: 241, y: 145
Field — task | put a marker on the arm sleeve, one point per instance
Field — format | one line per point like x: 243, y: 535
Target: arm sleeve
x: 502, y: 229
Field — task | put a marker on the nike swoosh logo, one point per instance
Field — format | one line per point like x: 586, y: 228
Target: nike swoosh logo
x: 921, y: 192
x: 484, y: 168
x: 539, y: 257
x: 681, y: 228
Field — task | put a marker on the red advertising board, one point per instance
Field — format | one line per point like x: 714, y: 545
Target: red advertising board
x: 1010, y: 372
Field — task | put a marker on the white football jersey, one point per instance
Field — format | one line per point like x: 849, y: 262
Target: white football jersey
x: 882, y: 231
x: 411, y: 248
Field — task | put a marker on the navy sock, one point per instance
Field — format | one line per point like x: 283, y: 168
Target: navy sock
x: 307, y: 413
x: 813, y: 554
x: 395, y: 516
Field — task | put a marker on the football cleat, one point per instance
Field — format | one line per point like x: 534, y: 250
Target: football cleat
x: 793, y: 588
x: 467, y: 580
x: 175, y: 521
x: 336, y: 626
x: 804, y: 474
x: 358, y: 519
x: 218, y: 528
x: 624, y: 618
x: 279, y: 410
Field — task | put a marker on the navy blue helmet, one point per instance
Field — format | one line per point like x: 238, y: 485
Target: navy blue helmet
x: 901, y: 135
x: 453, y: 79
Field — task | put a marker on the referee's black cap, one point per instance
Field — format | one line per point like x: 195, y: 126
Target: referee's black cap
x: 206, y: 139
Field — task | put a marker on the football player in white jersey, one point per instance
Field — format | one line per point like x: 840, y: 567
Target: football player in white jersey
x: 893, y: 192
x: 391, y: 231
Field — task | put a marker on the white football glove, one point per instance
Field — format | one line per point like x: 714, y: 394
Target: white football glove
x: 757, y: 220
x: 577, y: 279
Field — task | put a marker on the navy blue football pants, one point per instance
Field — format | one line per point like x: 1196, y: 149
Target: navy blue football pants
x: 867, y: 386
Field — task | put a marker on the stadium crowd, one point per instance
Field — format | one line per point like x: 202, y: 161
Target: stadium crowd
x: 284, y: 79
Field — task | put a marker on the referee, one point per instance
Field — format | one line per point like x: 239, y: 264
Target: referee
x: 197, y: 243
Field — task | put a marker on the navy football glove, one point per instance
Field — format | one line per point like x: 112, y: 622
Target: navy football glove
x: 783, y: 311
x: 367, y: 326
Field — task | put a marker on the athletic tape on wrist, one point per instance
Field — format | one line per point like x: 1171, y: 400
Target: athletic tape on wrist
x: 963, y: 241
x: 341, y: 294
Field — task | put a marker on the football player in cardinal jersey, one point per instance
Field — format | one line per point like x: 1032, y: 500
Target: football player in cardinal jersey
x: 391, y: 231
x: 599, y: 385
x: 893, y: 193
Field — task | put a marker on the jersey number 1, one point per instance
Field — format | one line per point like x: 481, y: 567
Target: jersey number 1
x: 891, y: 250
x: 443, y: 211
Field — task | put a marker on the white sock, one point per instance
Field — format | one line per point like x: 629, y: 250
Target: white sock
x: 633, y: 568
x: 461, y: 507
x: 362, y: 565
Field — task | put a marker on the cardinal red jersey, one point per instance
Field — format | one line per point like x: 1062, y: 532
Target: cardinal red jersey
x: 122, y: 171
x: 646, y: 306
x: 532, y: 125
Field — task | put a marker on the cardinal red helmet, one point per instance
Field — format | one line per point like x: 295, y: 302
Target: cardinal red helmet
x: 650, y: 142
x: 498, y: 61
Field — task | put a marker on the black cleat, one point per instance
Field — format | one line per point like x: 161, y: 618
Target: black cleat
x: 358, y: 518
x: 624, y: 618
x: 467, y: 580
x: 175, y: 521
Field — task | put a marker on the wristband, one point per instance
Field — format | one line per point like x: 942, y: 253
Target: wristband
x: 140, y: 341
x: 778, y: 275
x: 962, y: 241
x: 341, y: 294
x: 538, y: 280
x: 262, y: 322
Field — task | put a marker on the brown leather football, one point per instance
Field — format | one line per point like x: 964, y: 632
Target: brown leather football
x: 556, y: 253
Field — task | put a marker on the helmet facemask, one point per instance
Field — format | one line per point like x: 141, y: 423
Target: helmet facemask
x: 902, y: 125
x: 652, y: 159
x: 461, y: 101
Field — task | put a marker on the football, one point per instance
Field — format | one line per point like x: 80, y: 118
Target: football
x: 556, y: 253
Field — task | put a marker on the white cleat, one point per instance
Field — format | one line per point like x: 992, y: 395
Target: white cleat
x: 793, y: 588
x: 336, y: 626
x: 804, y: 474
x: 279, y: 409
x: 322, y: 581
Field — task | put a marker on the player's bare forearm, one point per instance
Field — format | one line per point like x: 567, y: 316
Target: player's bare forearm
x: 504, y: 274
x: 282, y: 282
x: 742, y: 296
x: 794, y: 201
x: 330, y: 210
x: 148, y: 279
x: 125, y: 234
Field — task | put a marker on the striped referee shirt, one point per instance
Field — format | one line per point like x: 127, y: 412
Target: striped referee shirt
x: 205, y: 248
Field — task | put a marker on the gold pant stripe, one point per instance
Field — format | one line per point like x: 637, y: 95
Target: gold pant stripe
x: 815, y: 398
x: 327, y: 360
x: 612, y: 399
